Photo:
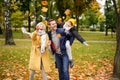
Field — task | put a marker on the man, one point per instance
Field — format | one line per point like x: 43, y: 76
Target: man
x: 69, y: 29
x: 58, y: 39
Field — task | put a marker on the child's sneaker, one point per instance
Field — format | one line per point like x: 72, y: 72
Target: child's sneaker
x: 71, y: 63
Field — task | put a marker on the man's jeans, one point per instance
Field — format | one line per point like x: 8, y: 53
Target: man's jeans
x: 63, y: 66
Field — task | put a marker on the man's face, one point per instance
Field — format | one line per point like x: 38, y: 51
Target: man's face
x: 53, y: 25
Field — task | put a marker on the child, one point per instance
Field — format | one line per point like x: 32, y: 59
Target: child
x: 68, y: 26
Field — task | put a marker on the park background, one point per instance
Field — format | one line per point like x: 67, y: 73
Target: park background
x: 99, y: 28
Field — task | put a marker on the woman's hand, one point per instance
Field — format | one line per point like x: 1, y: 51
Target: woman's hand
x: 49, y: 43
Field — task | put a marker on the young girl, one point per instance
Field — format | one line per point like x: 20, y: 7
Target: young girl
x: 68, y: 26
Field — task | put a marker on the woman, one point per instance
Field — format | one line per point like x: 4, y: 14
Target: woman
x: 39, y: 58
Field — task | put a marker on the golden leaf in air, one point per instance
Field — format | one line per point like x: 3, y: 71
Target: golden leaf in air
x: 44, y: 3
x: 67, y: 11
x: 44, y: 9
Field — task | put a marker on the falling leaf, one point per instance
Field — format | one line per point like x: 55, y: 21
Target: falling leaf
x: 44, y: 3
x: 67, y: 11
x: 44, y: 9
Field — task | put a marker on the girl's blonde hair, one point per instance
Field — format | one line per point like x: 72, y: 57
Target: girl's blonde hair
x: 41, y: 23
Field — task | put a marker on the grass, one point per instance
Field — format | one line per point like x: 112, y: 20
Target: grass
x: 89, y: 35
x: 16, y: 34
x: 98, y: 36
x: 14, y: 59
x: 94, y: 52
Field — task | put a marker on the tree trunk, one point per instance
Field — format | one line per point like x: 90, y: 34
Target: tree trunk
x: 8, y: 30
x: 1, y: 31
x: 35, y: 12
x: 77, y: 20
x: 116, y: 67
x: 106, y: 31
x: 1, y: 17
x: 29, y: 20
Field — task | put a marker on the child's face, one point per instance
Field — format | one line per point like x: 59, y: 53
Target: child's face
x: 68, y: 24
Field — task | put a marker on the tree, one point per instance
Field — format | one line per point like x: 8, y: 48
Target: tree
x: 91, y: 15
x: 77, y: 7
x: 66, y: 4
x: 116, y: 66
x: 91, y: 18
x: 101, y: 21
x: 80, y: 6
x: 1, y: 17
x: 25, y: 6
x: 17, y: 19
x: 8, y: 29
x: 110, y: 19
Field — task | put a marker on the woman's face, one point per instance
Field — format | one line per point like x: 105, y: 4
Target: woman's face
x: 41, y: 27
x: 37, y: 27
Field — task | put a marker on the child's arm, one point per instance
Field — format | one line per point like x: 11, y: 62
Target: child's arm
x: 78, y: 36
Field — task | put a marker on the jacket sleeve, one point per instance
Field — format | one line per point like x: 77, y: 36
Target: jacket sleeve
x: 33, y: 36
x: 76, y: 35
x: 70, y: 37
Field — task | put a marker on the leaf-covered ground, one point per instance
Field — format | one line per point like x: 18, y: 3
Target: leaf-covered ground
x: 90, y: 63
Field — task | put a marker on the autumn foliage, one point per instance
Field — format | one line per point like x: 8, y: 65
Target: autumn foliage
x: 88, y: 65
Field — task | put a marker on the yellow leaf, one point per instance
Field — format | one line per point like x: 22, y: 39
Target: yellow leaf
x: 44, y: 3
x: 44, y: 9
x: 58, y: 35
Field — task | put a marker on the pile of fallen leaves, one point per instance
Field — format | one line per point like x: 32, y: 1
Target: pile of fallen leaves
x: 13, y: 70
x: 92, y: 71
x: 97, y: 65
